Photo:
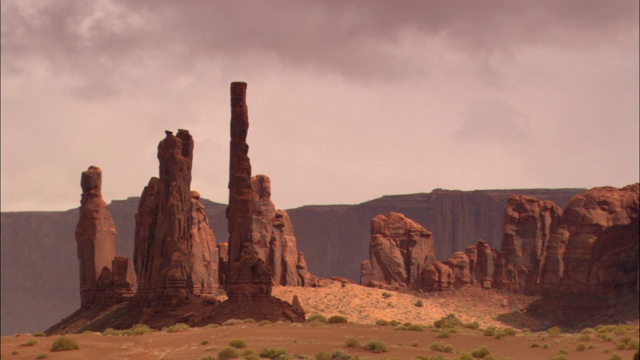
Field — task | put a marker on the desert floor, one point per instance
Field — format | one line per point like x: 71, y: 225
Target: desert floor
x: 362, y: 307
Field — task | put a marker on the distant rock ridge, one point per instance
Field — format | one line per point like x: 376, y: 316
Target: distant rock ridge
x: 590, y: 247
x: 105, y: 278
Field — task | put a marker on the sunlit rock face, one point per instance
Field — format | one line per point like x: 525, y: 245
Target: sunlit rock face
x: 594, y: 247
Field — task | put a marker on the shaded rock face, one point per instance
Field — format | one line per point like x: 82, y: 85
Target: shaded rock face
x: 175, y: 251
x: 116, y: 284
x: 257, y: 234
x: 526, y: 233
x: 397, y: 248
x: 594, y: 247
x: 96, y: 244
x: 460, y: 265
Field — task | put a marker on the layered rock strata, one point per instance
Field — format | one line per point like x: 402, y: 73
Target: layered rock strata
x: 103, y: 278
x: 175, y: 250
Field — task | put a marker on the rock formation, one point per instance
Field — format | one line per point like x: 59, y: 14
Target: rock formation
x: 104, y: 278
x: 397, y: 248
x: 594, y: 246
x: 460, y: 265
x: 526, y: 231
x: 251, y: 217
x: 175, y: 251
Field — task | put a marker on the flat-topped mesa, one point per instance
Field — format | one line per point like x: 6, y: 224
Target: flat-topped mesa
x: 526, y: 231
x: 175, y: 252
x: 96, y: 244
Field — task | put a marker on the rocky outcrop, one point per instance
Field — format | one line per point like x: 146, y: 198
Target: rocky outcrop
x: 175, y: 251
x: 252, y: 218
x: 526, y: 232
x: 460, y: 265
x: 103, y: 278
x: 594, y: 247
x: 435, y: 276
x: 397, y: 248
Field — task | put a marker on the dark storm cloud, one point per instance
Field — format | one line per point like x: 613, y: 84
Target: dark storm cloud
x: 355, y: 39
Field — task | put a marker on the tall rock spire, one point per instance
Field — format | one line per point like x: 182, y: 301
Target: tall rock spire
x: 175, y: 253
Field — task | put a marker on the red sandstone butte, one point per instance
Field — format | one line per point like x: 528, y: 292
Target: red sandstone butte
x: 175, y: 251
x: 526, y: 232
x: 594, y: 246
x: 397, y: 247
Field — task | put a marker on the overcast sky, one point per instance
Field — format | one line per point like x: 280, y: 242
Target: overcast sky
x: 348, y: 100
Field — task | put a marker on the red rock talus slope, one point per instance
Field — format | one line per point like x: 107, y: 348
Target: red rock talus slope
x: 175, y: 252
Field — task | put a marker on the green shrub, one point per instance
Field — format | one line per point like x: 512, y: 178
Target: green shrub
x: 584, y: 337
x: 615, y: 357
x: 554, y: 331
x: 272, y: 353
x: 632, y: 344
x: 382, y: 322
x: 176, y: 328
x: 140, y: 329
x: 249, y: 321
x: 490, y: 331
x: 376, y: 346
x: 510, y: 331
x: 212, y: 326
x: 238, y: 344
x: 419, y: 303
x: 15, y: 352
x: 228, y: 353
x: 500, y: 334
x: 112, y: 332
x: 337, y: 319
x: 340, y: 355
x: 64, y: 343
x: 386, y: 295
x: 587, y: 331
x: 42, y: 356
x: 472, y: 325
x: 265, y: 323
x: 563, y: 352
x: 30, y: 342
x: 480, y: 352
x: 441, y: 347
x: 316, y: 317
x: 39, y: 334
x: 414, y: 343
x: 394, y: 323
x: 535, y: 345
x: 352, y: 342
x: 443, y: 334
x: 449, y: 321
x: 465, y: 356
x: 581, y: 347
x: 204, y: 342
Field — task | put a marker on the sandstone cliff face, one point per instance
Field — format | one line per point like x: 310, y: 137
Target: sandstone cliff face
x: 398, y: 246
x: 174, y: 251
x: 526, y: 232
x: 96, y: 244
x: 597, y: 241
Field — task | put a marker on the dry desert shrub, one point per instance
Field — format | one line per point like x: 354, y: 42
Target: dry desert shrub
x: 228, y: 353
x: 273, y: 353
x: 352, y: 342
x: 176, y: 328
x: 316, y: 317
x: 376, y: 346
x: 382, y: 322
x: 441, y: 347
x: 42, y: 356
x: 64, y: 343
x: 39, y: 334
x: 481, y: 352
x: 554, y: 331
x: 238, y: 343
x: 337, y: 319
x: 265, y: 323
x: 30, y: 343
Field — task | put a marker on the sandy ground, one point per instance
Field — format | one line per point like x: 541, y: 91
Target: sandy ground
x: 362, y: 306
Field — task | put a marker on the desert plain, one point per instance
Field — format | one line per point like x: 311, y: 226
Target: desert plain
x: 363, y: 307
